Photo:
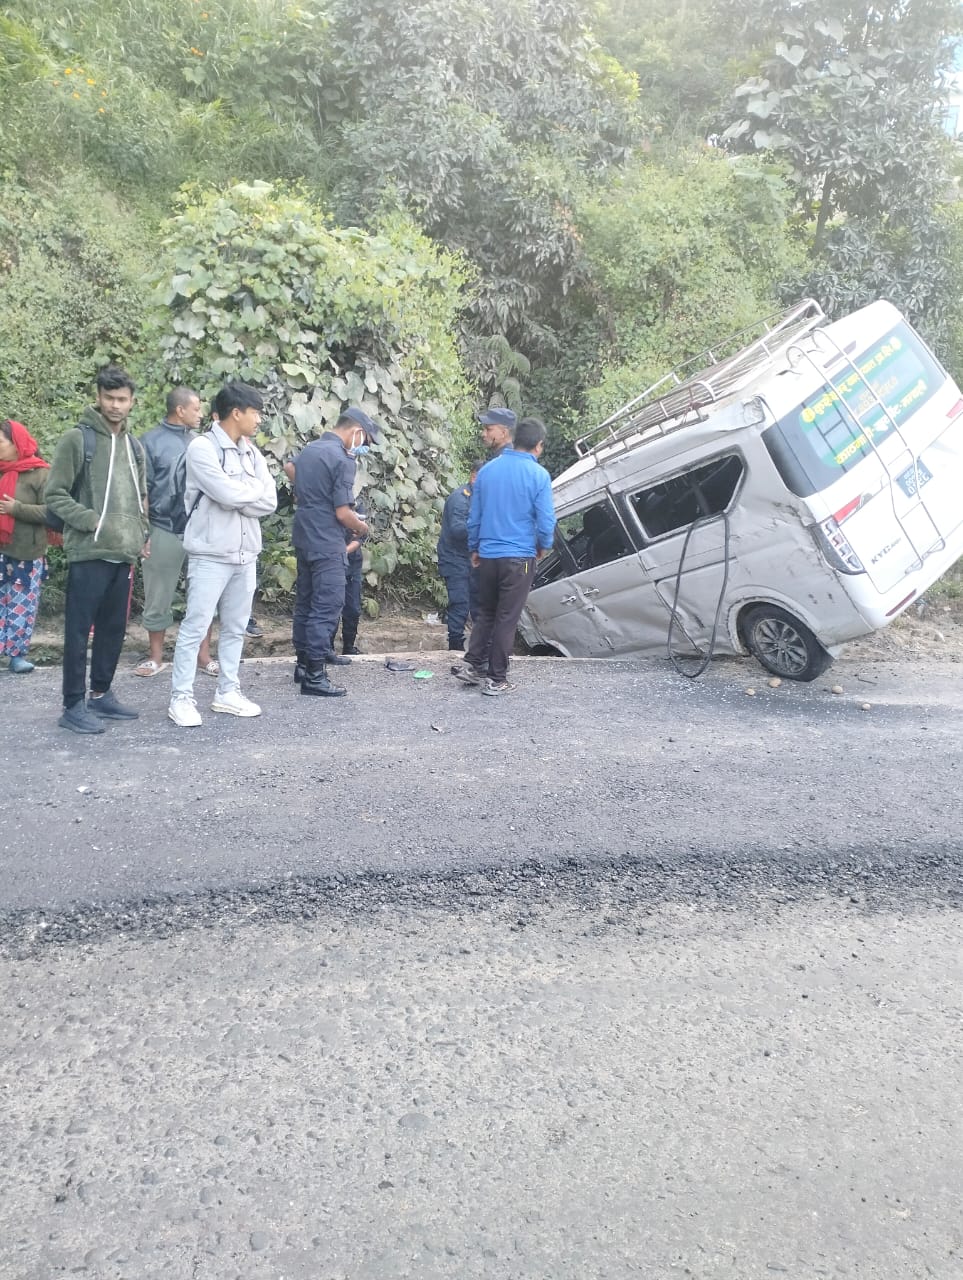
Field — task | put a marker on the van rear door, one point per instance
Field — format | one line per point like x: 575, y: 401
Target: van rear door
x: 881, y: 444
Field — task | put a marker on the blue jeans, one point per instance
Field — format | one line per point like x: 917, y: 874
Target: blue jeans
x: 227, y: 590
x: 461, y: 585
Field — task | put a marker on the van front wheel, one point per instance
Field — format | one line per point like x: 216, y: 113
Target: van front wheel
x: 783, y: 645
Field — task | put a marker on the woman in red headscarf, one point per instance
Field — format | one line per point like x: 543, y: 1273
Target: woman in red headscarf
x: 23, y: 541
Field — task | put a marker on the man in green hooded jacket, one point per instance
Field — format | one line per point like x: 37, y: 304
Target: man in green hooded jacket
x: 103, y: 505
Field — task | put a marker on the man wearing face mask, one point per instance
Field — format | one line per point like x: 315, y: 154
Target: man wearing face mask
x: 324, y: 476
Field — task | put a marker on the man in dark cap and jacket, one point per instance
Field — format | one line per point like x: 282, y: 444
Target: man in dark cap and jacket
x: 454, y: 560
x: 324, y: 477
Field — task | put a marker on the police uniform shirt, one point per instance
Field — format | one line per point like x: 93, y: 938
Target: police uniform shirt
x: 324, y: 474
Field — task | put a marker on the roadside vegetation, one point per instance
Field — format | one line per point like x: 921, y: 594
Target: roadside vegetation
x: 429, y: 206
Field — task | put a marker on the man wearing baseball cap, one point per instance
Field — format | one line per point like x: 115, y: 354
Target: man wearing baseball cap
x: 498, y: 429
x: 324, y: 476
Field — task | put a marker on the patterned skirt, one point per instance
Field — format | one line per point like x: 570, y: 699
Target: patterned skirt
x: 19, y: 598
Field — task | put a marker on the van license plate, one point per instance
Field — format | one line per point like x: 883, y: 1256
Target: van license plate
x: 907, y: 481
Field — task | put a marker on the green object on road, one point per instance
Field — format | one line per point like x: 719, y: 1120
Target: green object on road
x: 423, y: 675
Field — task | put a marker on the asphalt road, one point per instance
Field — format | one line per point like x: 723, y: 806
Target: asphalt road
x: 593, y: 761
x: 618, y: 976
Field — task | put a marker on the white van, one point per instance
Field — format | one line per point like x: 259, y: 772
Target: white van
x: 783, y: 499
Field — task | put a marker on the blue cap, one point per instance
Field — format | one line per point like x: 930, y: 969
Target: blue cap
x: 498, y: 418
x: 361, y: 419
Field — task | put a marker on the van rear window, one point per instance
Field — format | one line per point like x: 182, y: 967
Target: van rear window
x: 834, y: 429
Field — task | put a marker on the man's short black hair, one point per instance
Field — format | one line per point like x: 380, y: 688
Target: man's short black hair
x: 236, y: 395
x: 529, y: 433
x: 113, y: 378
x: 179, y: 398
x: 476, y: 466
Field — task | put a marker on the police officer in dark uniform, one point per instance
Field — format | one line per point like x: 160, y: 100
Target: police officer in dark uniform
x: 497, y: 429
x: 454, y: 560
x: 351, y: 613
x: 324, y: 476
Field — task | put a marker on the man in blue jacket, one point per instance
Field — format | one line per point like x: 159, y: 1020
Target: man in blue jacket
x: 454, y: 560
x: 511, y: 525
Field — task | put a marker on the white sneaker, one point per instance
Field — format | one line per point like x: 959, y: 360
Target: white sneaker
x: 183, y: 711
x: 235, y: 704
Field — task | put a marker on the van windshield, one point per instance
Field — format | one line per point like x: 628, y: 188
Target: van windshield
x: 836, y: 427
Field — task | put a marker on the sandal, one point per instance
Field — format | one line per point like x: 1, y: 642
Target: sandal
x: 148, y: 667
x: 212, y: 668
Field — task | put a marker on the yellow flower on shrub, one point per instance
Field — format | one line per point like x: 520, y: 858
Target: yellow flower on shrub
x: 91, y: 81
x: 68, y: 71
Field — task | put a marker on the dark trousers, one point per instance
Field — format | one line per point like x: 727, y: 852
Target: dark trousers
x: 318, y: 601
x: 351, y: 611
x: 458, y: 584
x: 97, y: 596
x: 503, y: 587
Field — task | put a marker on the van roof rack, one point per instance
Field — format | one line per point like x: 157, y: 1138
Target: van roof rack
x: 678, y: 399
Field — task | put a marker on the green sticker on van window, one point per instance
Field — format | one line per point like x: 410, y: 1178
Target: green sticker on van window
x: 895, y: 375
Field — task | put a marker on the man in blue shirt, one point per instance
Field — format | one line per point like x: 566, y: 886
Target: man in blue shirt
x: 324, y: 474
x: 454, y: 560
x: 511, y: 525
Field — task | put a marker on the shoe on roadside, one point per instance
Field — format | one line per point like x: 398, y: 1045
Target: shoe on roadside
x: 336, y: 659
x: 235, y: 704
x: 351, y: 650
x: 495, y: 687
x: 183, y: 711
x: 466, y: 673
x: 110, y: 708
x: 252, y: 629
x: 79, y: 720
x: 20, y: 666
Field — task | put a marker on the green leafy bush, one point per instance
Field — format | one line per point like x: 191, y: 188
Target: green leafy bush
x: 683, y: 254
x: 71, y: 268
x: 254, y: 283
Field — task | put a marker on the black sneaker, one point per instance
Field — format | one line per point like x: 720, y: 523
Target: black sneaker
x: 108, y: 708
x: 466, y: 673
x: 252, y: 629
x: 79, y: 720
x: 351, y: 650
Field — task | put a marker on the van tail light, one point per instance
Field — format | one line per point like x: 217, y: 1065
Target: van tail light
x: 956, y: 410
x: 835, y: 547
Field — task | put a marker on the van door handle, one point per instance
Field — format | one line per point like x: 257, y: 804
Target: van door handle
x: 591, y: 591
x: 568, y: 599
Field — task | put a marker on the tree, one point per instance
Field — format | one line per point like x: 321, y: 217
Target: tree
x: 484, y: 119
x: 850, y: 96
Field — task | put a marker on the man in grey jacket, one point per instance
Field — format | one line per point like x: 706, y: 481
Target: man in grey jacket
x: 165, y: 448
x: 228, y: 490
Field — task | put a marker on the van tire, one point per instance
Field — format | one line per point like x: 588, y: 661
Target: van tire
x: 782, y: 644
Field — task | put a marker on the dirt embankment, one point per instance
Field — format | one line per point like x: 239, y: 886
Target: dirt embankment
x: 931, y: 630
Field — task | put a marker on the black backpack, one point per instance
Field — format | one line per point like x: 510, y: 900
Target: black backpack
x: 51, y: 519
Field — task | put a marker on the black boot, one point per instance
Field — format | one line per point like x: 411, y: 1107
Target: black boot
x: 317, y: 685
x: 349, y: 636
x: 456, y: 643
x: 335, y: 659
x: 300, y: 666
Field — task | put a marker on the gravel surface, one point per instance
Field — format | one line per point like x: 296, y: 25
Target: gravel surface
x: 617, y: 976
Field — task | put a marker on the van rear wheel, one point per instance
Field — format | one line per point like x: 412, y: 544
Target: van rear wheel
x: 783, y: 645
